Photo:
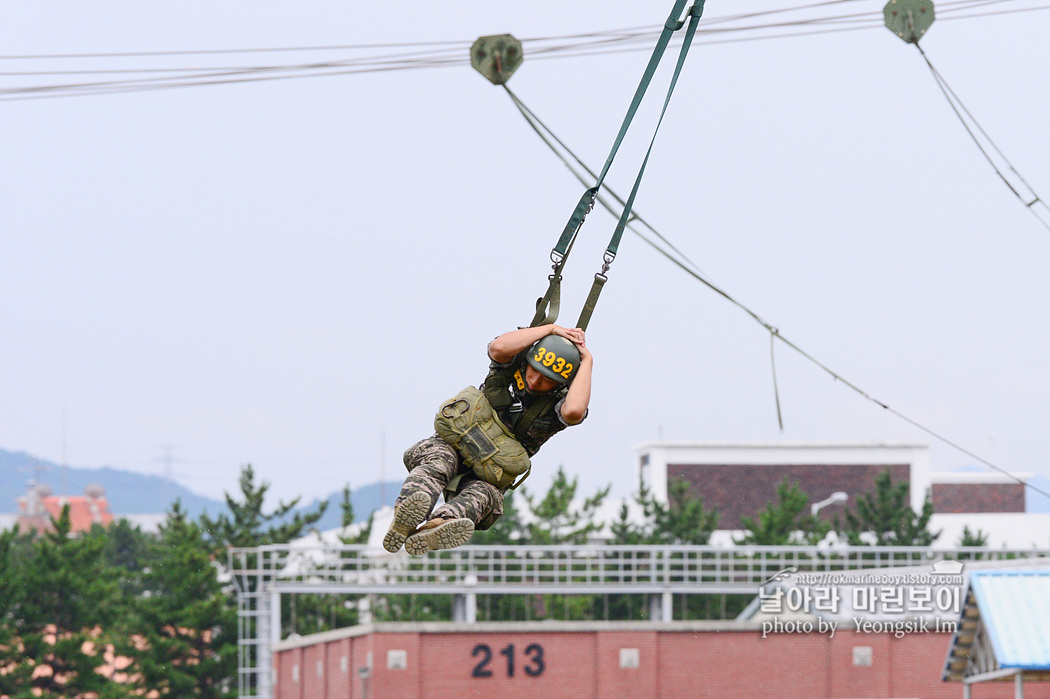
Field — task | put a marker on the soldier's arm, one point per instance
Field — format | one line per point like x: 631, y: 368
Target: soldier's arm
x: 574, y: 408
x: 508, y: 345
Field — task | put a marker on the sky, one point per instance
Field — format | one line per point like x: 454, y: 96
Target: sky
x: 295, y: 273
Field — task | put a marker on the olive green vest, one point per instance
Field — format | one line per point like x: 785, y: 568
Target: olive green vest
x: 493, y: 430
x: 498, y: 389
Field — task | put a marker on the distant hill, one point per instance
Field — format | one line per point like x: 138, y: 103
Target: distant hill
x: 136, y: 493
x: 365, y: 500
x: 128, y: 493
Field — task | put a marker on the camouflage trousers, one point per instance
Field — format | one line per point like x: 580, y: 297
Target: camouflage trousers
x: 431, y: 465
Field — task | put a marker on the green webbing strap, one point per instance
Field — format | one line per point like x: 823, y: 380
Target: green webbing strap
x: 672, y: 25
x: 576, y: 220
x: 694, y: 18
x: 610, y: 252
x: 560, y: 252
x: 548, y: 305
x: 592, y: 300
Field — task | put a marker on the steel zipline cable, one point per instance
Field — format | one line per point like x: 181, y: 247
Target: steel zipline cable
x: 1034, y: 202
x: 441, y: 54
x: 578, y: 168
x: 647, y: 31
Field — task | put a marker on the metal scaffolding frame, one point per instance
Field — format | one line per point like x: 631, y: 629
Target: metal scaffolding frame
x: 262, y: 574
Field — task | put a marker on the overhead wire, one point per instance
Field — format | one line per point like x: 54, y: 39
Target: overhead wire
x: 674, y: 255
x: 403, y: 59
x: 456, y: 51
x: 232, y: 78
x: 450, y: 53
x: 647, y: 29
x: 352, y: 66
x: 960, y: 109
x: 192, y: 52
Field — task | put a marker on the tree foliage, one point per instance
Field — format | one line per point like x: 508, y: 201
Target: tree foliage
x: 61, y: 612
x: 348, y: 518
x: 973, y: 538
x: 785, y: 521
x: 884, y: 517
x: 247, y: 524
x: 114, y: 613
x: 683, y: 519
x: 160, y: 604
x: 555, y: 520
x: 187, y: 622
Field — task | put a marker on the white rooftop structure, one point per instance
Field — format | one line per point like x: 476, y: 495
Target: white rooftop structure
x: 655, y: 457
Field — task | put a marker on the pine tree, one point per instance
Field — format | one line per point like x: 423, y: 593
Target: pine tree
x: 66, y: 611
x: 886, y: 514
x: 13, y: 672
x: 681, y: 520
x: 624, y: 531
x: 247, y: 525
x: 128, y: 549
x: 555, y: 521
x: 187, y: 635
x: 778, y: 523
x: 973, y: 538
x: 685, y: 520
x: 347, y: 507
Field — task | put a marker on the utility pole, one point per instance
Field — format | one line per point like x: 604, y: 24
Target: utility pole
x: 63, y: 485
x: 382, y: 468
x: 168, y: 459
x: 37, y: 468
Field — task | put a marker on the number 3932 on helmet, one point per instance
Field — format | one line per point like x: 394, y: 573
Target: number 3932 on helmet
x: 555, y: 357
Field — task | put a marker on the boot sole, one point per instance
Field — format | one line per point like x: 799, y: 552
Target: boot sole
x: 447, y: 535
x: 409, y: 514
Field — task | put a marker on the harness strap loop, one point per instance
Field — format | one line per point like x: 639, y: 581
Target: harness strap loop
x: 548, y: 305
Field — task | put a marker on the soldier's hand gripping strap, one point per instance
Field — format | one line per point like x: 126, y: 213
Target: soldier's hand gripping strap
x: 468, y: 423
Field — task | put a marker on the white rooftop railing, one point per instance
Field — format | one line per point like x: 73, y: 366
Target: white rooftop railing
x: 262, y: 574
x: 592, y: 568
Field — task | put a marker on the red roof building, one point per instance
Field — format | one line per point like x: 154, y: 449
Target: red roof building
x: 38, y: 506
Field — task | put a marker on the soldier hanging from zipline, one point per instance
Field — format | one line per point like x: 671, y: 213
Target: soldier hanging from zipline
x: 539, y: 383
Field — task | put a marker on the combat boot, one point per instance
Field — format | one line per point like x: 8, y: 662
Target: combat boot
x: 408, y: 515
x: 440, y: 534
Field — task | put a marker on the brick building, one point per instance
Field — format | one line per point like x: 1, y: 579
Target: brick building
x: 955, y: 493
x: 741, y: 479
x: 606, y: 660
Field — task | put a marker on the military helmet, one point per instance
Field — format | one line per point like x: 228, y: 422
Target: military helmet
x: 555, y: 357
